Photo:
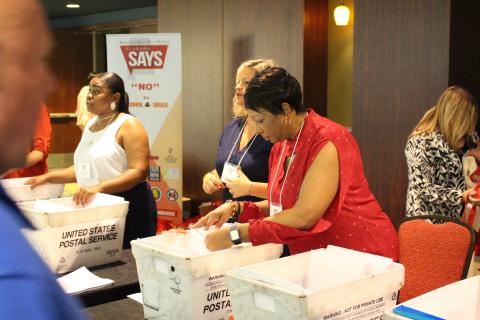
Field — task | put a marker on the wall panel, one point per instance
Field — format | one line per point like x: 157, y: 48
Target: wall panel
x: 71, y: 62
x: 465, y: 45
x: 401, y: 52
x: 260, y: 29
x: 315, y: 54
x: 200, y: 23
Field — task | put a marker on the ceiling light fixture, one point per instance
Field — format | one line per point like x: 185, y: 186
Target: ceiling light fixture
x: 73, y: 5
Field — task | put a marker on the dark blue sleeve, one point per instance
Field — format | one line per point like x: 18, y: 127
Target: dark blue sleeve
x: 25, y: 297
x: 28, y: 289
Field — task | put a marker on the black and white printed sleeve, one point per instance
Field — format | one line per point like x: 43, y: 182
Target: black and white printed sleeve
x: 435, y: 178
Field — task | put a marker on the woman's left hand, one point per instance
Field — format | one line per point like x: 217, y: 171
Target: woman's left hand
x: 84, y: 195
x: 241, y: 186
x: 215, y: 217
x: 218, y: 240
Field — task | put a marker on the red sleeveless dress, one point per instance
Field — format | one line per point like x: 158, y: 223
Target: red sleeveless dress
x: 354, y: 219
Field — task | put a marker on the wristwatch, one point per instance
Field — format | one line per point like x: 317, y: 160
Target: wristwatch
x: 234, y: 234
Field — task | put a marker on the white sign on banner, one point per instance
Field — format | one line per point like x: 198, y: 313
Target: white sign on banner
x: 151, y: 67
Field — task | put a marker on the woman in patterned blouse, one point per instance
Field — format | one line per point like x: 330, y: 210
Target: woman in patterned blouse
x: 434, y: 156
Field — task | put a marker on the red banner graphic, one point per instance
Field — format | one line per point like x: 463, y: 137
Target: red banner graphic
x: 144, y: 56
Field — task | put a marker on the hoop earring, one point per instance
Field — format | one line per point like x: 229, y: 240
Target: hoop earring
x: 112, y: 105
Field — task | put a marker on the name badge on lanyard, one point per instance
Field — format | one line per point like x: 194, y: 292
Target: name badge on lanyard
x: 275, y: 208
x: 84, y: 170
x: 230, y: 170
x: 229, y: 173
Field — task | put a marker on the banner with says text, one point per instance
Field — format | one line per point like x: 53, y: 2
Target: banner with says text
x: 151, y: 67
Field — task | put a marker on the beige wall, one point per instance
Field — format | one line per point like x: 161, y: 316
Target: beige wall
x: 216, y: 36
x: 340, y: 67
x: 261, y: 29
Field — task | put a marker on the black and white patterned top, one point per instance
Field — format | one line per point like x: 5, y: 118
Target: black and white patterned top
x: 435, y: 177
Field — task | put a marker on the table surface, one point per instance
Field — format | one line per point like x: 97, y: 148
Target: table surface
x: 123, y: 272
x: 125, y: 309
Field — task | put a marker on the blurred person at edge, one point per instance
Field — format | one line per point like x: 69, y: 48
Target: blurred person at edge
x: 36, y: 161
x: 317, y: 191
x: 28, y: 289
x: 242, y: 155
x: 436, y: 184
x: 111, y: 157
x: 83, y: 116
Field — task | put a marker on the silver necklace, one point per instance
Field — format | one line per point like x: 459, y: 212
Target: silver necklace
x: 92, y: 140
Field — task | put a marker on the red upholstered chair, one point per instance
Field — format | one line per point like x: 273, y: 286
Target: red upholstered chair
x: 434, y: 255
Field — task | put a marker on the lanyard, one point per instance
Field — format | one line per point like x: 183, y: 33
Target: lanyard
x: 235, y: 144
x: 288, y: 167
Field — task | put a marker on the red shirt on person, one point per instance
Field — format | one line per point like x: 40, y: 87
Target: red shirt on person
x: 41, y: 142
x: 354, y: 219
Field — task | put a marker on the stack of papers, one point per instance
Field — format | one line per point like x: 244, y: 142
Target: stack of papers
x: 82, y: 280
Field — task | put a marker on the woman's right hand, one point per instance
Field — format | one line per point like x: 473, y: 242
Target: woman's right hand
x: 38, y: 180
x: 211, y: 183
x: 240, y: 187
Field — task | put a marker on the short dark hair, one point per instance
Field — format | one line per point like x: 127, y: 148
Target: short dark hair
x: 91, y: 75
x: 115, y: 84
x: 271, y: 87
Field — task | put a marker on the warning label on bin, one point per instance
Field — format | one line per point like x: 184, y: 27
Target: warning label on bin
x: 369, y: 309
x: 216, y: 302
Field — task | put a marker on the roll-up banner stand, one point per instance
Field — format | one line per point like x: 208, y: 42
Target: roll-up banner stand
x: 151, y: 66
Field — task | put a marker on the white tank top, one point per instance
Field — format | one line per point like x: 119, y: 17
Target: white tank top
x: 98, y: 156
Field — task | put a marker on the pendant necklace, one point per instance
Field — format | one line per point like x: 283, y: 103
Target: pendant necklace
x: 92, y: 140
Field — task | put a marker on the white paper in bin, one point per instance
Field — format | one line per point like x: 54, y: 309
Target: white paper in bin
x: 190, y: 244
x: 68, y: 237
x: 255, y: 290
x: 20, y: 192
x: 456, y: 301
x: 178, y: 274
x: 63, y: 211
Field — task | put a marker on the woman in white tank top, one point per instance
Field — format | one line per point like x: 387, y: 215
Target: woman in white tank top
x: 112, y: 157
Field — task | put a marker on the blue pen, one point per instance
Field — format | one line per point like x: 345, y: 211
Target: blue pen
x: 414, y: 314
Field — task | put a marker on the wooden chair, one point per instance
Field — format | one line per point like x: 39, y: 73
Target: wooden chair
x: 434, y: 255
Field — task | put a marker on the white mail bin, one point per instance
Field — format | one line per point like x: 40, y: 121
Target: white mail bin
x: 68, y: 237
x: 456, y: 301
x: 181, y: 279
x: 20, y: 192
x: 327, y: 284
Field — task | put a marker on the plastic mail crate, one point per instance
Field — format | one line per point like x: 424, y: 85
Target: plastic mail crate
x: 456, y: 301
x: 68, y: 237
x: 326, y: 284
x: 181, y: 279
x: 20, y: 192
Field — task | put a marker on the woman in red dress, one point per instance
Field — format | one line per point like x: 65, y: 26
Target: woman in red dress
x: 36, y: 159
x: 318, y: 193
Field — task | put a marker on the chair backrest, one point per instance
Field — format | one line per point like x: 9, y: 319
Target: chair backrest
x: 434, y: 255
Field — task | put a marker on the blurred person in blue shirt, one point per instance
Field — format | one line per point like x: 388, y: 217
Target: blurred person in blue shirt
x: 28, y: 289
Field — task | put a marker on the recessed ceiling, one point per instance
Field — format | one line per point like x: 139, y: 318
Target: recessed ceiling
x: 57, y: 9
